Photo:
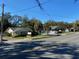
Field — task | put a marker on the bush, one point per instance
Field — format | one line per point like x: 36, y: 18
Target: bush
x: 34, y: 33
x: 7, y: 34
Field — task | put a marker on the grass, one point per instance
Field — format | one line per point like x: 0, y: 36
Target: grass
x: 41, y: 37
x: 27, y: 37
x: 67, y: 33
x: 34, y: 38
x: 12, y: 38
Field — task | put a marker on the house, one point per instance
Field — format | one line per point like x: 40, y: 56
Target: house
x: 67, y: 30
x: 18, y: 31
x: 74, y: 29
x: 54, y: 30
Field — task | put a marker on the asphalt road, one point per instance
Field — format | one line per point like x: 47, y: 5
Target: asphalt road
x: 72, y: 38
x: 42, y: 49
x: 68, y: 38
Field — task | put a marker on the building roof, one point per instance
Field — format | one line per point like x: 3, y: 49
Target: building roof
x: 21, y: 29
x: 56, y: 27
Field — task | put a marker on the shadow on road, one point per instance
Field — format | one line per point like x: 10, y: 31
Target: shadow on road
x: 36, y: 50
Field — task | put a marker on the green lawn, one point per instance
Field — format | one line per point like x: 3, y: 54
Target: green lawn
x: 27, y: 37
x: 41, y: 36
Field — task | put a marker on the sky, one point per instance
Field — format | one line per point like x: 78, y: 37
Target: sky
x: 57, y: 10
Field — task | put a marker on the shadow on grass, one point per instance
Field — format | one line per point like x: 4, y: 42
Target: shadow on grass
x: 25, y: 50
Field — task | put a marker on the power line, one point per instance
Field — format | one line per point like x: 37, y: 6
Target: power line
x: 39, y: 5
x: 25, y: 9
x: 42, y: 9
x: 75, y: 0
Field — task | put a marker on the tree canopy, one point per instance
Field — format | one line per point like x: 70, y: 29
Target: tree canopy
x: 34, y: 23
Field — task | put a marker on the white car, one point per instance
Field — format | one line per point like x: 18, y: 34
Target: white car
x: 53, y: 33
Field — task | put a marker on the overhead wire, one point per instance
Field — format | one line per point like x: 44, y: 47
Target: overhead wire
x: 25, y: 9
x: 39, y: 5
x: 42, y: 9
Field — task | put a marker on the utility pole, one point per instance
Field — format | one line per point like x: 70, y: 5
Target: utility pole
x: 74, y: 26
x: 2, y: 21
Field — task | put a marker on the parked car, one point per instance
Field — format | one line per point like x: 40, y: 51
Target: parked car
x: 53, y: 33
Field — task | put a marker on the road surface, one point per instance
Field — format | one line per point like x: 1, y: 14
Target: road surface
x: 42, y: 49
x: 72, y: 38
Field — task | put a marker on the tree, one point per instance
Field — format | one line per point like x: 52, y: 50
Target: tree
x: 15, y: 20
x: 6, y: 24
x: 49, y: 23
x: 77, y: 23
x: 36, y: 25
x: 25, y: 22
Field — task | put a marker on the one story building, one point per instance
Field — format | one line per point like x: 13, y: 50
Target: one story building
x: 18, y: 31
x: 54, y: 30
x: 74, y: 29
